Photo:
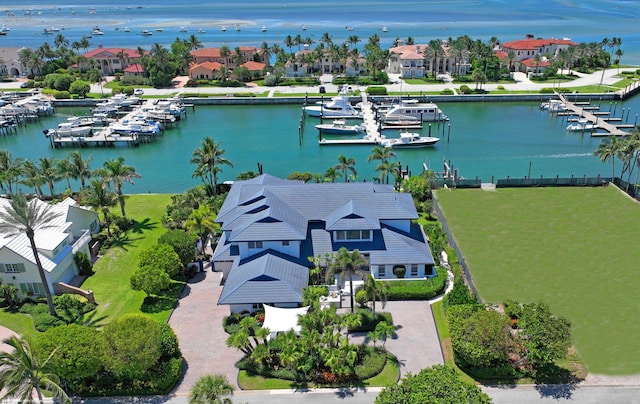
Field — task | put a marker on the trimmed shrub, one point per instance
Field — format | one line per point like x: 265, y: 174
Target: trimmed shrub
x: 447, y: 91
x: 464, y: 89
x: 418, y: 289
x: 372, y: 363
x: 373, y: 90
x: 399, y: 271
x: 61, y: 95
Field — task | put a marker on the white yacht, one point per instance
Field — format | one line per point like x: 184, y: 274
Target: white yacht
x: 424, y: 111
x: 408, y: 140
x: 338, y: 107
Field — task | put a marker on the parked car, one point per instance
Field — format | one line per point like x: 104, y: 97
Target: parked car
x: 138, y: 91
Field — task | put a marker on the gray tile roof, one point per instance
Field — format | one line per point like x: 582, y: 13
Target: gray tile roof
x: 267, y: 278
x: 400, y: 249
x: 352, y: 215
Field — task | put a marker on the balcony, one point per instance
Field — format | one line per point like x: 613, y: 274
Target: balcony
x: 79, y: 242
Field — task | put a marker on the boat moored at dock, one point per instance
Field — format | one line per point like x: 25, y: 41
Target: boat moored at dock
x: 409, y: 140
x: 340, y: 127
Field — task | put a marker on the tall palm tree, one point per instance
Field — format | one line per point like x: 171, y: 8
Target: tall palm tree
x: 201, y: 221
x: 10, y: 169
x: 375, y: 291
x: 193, y: 42
x: 21, y: 372
x: 31, y: 177
x: 47, y: 168
x: 116, y: 172
x: 80, y: 167
x: 346, y: 264
x: 211, y: 389
x: 25, y: 217
x: 60, y: 41
x: 607, y: 150
x: 224, y: 53
x: 208, y: 159
x: 384, y: 154
x: 288, y: 42
x: 64, y: 168
x: 99, y: 196
x: 331, y: 174
x: 346, y: 164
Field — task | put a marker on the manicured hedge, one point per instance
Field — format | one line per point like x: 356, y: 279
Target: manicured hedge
x: 423, y: 289
x: 372, y: 364
x: 376, y: 90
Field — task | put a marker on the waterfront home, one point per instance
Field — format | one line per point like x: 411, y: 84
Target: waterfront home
x: 57, y: 245
x: 214, y: 55
x: 10, y: 65
x: 523, y: 53
x: 204, y: 70
x: 306, y: 63
x: 110, y: 60
x: 416, y: 61
x: 134, y: 70
x: 270, y: 228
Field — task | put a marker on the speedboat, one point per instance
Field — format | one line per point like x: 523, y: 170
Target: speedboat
x: 183, y: 29
x: 582, y: 125
x: 264, y: 28
x: 73, y: 127
x: 126, y: 29
x: 408, y: 140
x: 553, y: 106
x: 340, y: 127
x: 223, y: 28
x: 96, y: 31
x: 201, y: 31
x: 424, y: 111
x: 338, y: 107
x: 146, y: 32
x: 398, y: 120
x: 138, y: 126
x: 384, y: 28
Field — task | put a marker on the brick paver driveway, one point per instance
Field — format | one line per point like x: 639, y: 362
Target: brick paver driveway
x: 197, y: 321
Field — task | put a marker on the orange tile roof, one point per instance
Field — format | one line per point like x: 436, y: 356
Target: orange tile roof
x: 532, y: 63
x: 253, y: 66
x: 207, y: 65
x: 101, y: 52
x: 134, y: 68
x: 206, y: 53
x: 532, y: 44
x: 502, y: 55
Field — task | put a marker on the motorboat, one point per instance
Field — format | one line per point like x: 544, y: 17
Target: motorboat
x: 384, y: 28
x: 183, y: 29
x: 70, y: 128
x: 96, y: 31
x: 146, y: 32
x: 264, y: 28
x: 338, y: 107
x: 237, y: 27
x: 223, y: 29
x: 340, y: 127
x: 399, y: 120
x: 159, y: 29
x: 582, y: 125
x: 304, y: 27
x: 409, y: 140
x: 553, y: 106
x: 201, y: 31
x: 126, y: 29
x: 141, y: 127
x: 424, y: 111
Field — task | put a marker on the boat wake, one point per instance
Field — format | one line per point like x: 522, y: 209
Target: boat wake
x: 562, y: 155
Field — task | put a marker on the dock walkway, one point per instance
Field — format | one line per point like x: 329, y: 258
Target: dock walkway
x: 372, y: 136
x: 601, y: 123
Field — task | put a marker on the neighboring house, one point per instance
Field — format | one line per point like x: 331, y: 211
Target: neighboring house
x: 298, y: 67
x: 526, y: 50
x: 213, y: 55
x: 270, y: 227
x: 10, y: 63
x: 204, y: 70
x: 110, y: 60
x: 71, y: 233
x: 134, y: 70
x: 415, y: 61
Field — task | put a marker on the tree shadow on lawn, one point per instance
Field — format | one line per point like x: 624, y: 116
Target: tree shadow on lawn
x: 555, y: 382
x: 140, y: 227
x: 124, y: 240
x: 168, y: 301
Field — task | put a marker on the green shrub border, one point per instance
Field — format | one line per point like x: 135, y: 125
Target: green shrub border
x: 423, y: 289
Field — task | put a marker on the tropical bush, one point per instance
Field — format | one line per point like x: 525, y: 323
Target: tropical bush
x: 369, y: 320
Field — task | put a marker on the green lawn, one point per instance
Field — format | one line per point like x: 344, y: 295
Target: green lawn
x: 572, y: 248
x: 110, y: 283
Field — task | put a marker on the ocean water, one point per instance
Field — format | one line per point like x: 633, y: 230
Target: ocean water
x: 582, y: 21
x: 481, y: 140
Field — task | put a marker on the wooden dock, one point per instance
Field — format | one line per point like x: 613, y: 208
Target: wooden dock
x: 104, y: 138
x: 372, y: 136
x: 601, y: 123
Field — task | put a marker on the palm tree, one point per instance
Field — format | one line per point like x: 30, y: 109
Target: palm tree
x: 80, y: 168
x: 331, y: 174
x: 211, y: 389
x: 64, y: 168
x: 193, y: 42
x: 60, y: 41
x: 10, y: 169
x: 375, y: 291
x: 384, y: 154
x: 31, y: 177
x: 208, y: 159
x: 116, y: 172
x: 98, y: 196
x: 201, y: 221
x: 25, y: 217
x: 224, y: 53
x: 347, y: 264
x: 607, y: 150
x: 47, y: 169
x: 346, y: 164
x: 21, y: 372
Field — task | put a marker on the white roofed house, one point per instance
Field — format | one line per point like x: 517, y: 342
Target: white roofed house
x: 69, y: 234
x: 272, y: 226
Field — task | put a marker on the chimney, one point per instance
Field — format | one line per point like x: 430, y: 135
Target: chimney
x: 418, y: 49
x: 100, y: 46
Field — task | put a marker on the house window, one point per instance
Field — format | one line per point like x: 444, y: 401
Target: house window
x: 32, y: 288
x: 353, y: 235
x: 382, y: 271
x: 414, y: 270
x: 286, y: 242
x: 255, y: 244
x: 13, y: 267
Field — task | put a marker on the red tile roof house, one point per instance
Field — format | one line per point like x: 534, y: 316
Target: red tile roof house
x: 213, y: 55
x: 414, y: 61
x: 133, y: 70
x: 204, y: 70
x: 110, y: 60
x: 525, y: 51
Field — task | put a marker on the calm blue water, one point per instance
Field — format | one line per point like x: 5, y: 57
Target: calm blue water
x: 484, y: 140
x: 583, y: 21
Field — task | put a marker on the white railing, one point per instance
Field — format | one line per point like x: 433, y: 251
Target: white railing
x: 80, y: 242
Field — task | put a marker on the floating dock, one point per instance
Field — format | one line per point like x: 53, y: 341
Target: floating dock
x: 372, y: 136
x: 601, y: 123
